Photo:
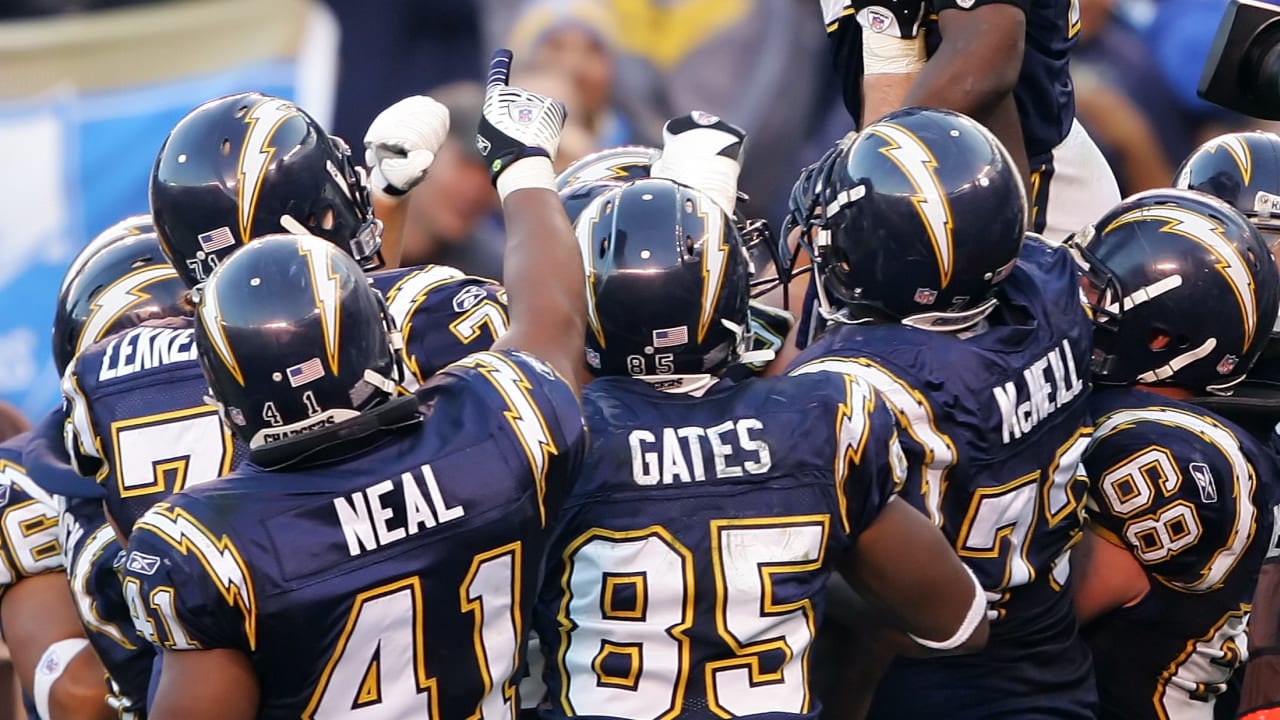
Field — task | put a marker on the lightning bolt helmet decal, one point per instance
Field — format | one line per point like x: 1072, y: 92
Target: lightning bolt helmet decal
x: 255, y: 155
x: 1209, y: 234
x: 918, y: 164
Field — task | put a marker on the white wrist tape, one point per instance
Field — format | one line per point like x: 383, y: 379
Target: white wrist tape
x: 977, y: 611
x: 530, y: 172
x: 52, y: 663
x: 885, y: 54
x: 717, y: 176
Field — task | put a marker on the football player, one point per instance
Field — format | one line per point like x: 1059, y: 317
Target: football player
x: 687, y: 573
x: 421, y: 518
x: 116, y: 282
x: 602, y: 171
x: 1244, y: 170
x: 234, y: 168
x: 979, y: 341
x: 57, y: 670
x: 1184, y: 293
x: 1002, y: 62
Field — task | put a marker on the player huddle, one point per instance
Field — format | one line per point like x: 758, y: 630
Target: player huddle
x: 287, y: 483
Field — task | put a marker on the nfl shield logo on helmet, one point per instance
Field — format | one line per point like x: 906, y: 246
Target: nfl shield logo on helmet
x: 237, y: 417
x: 1227, y: 364
x: 925, y: 296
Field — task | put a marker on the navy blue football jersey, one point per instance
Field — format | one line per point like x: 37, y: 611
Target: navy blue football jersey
x: 442, y: 314
x: 1044, y: 93
x: 91, y: 554
x: 29, y: 543
x: 996, y: 424
x: 138, y: 421
x: 1190, y: 496
x: 395, y: 583
x: 686, y: 575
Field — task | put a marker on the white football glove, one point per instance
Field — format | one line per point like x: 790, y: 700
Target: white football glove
x: 704, y: 152
x: 402, y: 142
x: 516, y: 124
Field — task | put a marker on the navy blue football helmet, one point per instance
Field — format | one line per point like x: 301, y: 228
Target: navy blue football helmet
x: 1183, y: 288
x: 1242, y: 169
x: 921, y: 218
x: 120, y: 279
x: 667, y: 278
x: 576, y: 198
x: 298, y: 349
x: 617, y: 164
x: 604, y: 170
x: 248, y: 165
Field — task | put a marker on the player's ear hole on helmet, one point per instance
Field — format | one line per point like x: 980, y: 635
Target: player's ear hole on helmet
x: 689, y: 242
x: 226, y: 147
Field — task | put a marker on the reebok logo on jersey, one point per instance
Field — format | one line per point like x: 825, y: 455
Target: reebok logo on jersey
x: 467, y: 298
x: 1204, y: 481
x: 142, y: 563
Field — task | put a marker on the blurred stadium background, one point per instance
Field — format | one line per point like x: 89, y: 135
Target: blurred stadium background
x: 89, y: 88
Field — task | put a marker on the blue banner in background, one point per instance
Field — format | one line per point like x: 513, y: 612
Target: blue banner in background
x: 75, y: 164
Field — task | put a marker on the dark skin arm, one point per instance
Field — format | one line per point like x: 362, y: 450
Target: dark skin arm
x: 975, y: 70
x: 904, y: 564
x: 391, y: 212
x: 206, y: 685
x: 909, y: 580
x: 37, y: 612
x: 542, y: 271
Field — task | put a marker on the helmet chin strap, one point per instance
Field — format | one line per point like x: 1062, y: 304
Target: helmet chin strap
x: 747, y: 356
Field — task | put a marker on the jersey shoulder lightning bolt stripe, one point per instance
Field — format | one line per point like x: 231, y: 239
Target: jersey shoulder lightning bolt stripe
x: 137, y: 421
x: 421, y: 548
x: 1189, y: 495
x: 665, y: 574
x: 442, y: 314
x: 994, y: 428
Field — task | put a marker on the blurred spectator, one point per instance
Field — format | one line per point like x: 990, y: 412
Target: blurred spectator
x: 450, y: 215
x: 11, y: 421
x: 576, y: 140
x: 575, y: 39
x: 760, y: 64
x: 1180, y: 35
x: 1122, y: 98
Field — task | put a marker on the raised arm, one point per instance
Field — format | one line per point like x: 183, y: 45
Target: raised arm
x: 542, y: 268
